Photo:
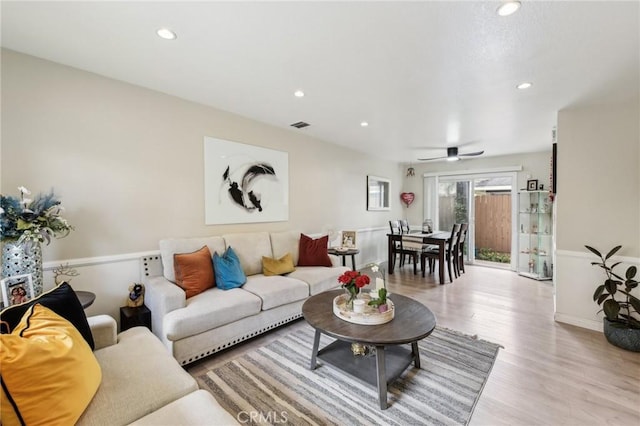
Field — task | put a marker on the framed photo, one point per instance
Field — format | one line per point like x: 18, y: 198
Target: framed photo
x: 17, y: 289
x: 532, y: 185
x: 349, y: 239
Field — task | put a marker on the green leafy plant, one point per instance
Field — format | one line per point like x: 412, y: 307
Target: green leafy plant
x: 381, y: 300
x: 620, y: 313
x: 493, y: 256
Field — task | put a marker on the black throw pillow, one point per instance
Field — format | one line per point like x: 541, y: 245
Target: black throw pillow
x: 62, y: 300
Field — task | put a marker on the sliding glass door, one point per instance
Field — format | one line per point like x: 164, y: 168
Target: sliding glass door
x: 484, y: 201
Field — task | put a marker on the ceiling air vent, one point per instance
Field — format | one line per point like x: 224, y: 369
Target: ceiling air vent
x: 300, y: 124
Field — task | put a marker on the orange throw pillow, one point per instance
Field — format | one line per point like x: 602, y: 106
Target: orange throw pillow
x: 313, y: 252
x: 194, y: 271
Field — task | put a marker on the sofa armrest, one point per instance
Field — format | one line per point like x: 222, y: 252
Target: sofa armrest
x: 161, y: 297
x: 104, y: 330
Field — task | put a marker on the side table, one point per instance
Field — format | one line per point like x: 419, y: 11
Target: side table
x: 344, y: 254
x: 132, y: 317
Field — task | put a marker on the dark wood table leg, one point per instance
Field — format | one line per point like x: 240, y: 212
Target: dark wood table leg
x: 344, y: 259
x: 353, y: 262
x: 441, y: 261
x: 416, y: 354
x: 314, y: 351
x: 391, y: 256
x: 382, y: 377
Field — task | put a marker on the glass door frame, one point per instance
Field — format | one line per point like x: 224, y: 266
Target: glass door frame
x: 431, y: 201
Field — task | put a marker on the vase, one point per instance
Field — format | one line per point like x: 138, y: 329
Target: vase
x: 351, y: 295
x: 20, y: 259
x: 625, y: 338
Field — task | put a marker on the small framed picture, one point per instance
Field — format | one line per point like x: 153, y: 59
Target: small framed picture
x: 17, y: 289
x: 349, y: 239
x: 532, y: 185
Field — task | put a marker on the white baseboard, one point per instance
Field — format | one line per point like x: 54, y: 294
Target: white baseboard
x: 578, y: 322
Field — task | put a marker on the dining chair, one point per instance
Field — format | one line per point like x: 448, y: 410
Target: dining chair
x: 404, y: 226
x: 459, y: 249
x: 398, y: 248
x: 433, y: 253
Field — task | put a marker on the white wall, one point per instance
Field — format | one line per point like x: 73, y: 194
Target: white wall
x: 598, y: 201
x: 128, y: 165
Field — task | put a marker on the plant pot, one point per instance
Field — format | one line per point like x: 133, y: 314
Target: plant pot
x: 625, y: 338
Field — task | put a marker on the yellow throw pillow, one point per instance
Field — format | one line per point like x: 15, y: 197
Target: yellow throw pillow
x: 49, y: 373
x: 281, y: 266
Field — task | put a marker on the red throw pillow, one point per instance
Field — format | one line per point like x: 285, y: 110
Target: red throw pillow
x: 313, y: 252
x: 194, y: 271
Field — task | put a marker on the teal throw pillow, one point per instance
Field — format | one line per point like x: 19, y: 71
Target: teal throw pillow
x: 229, y: 273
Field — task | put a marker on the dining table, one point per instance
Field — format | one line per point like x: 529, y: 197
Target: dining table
x: 436, y: 238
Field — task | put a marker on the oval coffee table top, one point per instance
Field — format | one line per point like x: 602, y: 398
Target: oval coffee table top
x: 413, y: 321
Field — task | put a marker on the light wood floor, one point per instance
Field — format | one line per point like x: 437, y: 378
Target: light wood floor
x: 547, y: 374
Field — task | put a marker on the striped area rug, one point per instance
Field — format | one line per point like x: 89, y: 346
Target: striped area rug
x: 274, y: 385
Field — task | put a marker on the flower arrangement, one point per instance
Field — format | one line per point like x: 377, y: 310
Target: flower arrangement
x: 353, y: 281
x: 23, y: 220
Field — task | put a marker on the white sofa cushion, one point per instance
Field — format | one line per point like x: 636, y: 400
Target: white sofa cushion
x: 286, y: 242
x: 197, y: 408
x: 276, y: 290
x: 319, y: 278
x: 250, y: 247
x: 171, y: 246
x: 210, y: 309
x: 130, y: 390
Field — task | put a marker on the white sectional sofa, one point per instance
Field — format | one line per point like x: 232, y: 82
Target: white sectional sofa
x: 216, y: 319
x: 132, y: 391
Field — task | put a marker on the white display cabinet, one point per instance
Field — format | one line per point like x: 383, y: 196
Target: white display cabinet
x: 535, y: 235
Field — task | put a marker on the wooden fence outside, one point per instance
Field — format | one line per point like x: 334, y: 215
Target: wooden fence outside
x: 493, y: 222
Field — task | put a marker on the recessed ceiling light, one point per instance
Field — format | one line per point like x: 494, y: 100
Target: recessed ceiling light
x: 298, y: 93
x: 166, y: 34
x: 508, y: 8
x: 524, y: 85
x: 364, y: 124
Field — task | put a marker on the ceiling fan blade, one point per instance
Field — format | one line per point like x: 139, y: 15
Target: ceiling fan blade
x: 429, y: 159
x: 471, y: 154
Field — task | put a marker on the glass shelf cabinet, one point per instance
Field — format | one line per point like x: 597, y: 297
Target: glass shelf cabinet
x: 535, y: 239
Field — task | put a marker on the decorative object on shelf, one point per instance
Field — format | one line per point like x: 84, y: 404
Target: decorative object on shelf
x: 621, y: 327
x: 532, y: 185
x: 352, y: 282
x: 136, y: 295
x: 24, y: 225
x: 407, y: 198
x: 63, y: 271
x: 17, y: 289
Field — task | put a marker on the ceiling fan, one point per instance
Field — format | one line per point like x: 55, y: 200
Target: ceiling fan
x: 452, y: 155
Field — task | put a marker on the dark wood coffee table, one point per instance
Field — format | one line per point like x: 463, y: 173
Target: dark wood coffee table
x: 412, y: 322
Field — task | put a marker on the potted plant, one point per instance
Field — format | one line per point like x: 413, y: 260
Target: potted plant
x: 621, y: 321
x: 381, y: 301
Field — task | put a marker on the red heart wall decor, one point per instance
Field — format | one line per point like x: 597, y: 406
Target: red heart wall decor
x: 407, y: 197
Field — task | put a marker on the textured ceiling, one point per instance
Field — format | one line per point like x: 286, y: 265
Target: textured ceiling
x: 423, y: 74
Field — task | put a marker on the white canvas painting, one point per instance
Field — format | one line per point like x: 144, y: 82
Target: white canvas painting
x: 244, y: 183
